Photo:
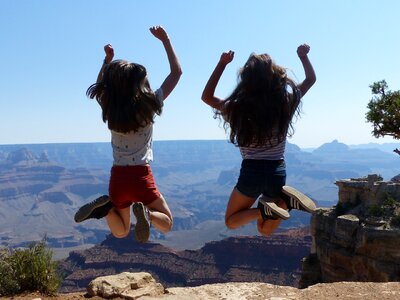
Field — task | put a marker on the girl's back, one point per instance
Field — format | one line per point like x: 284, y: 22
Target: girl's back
x: 135, y: 146
x: 259, y: 112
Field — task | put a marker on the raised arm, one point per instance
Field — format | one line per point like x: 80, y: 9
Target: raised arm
x: 302, y: 52
x: 108, y: 49
x: 175, y: 68
x: 209, y: 90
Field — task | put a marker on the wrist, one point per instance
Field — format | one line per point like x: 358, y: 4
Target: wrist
x: 165, y: 40
x: 303, y: 56
x: 222, y: 64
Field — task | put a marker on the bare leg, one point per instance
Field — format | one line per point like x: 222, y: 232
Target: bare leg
x: 160, y: 215
x: 119, y: 221
x: 267, y: 227
x: 239, y: 211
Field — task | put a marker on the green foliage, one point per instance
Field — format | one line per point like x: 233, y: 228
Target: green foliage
x: 375, y: 210
x: 384, y: 111
x: 390, y: 201
x: 8, y: 282
x: 29, y: 269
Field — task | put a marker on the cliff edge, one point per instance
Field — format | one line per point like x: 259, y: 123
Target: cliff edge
x: 359, y: 238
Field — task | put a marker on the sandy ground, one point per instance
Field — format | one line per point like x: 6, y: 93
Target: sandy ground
x: 254, y: 291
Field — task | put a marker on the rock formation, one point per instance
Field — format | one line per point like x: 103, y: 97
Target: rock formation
x: 358, y: 240
x: 126, y: 285
x: 274, y: 260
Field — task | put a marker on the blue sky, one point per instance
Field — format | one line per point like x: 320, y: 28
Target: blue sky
x: 51, y: 52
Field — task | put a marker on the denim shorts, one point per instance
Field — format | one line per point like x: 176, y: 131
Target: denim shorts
x: 261, y: 177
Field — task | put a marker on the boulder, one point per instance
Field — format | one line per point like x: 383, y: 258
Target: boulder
x: 125, y: 285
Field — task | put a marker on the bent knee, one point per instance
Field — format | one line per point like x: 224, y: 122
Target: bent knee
x: 265, y: 233
x: 120, y: 234
x: 167, y: 227
x: 230, y: 224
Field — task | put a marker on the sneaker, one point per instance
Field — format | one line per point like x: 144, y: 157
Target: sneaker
x: 269, y: 210
x: 297, y: 200
x: 142, y: 227
x: 96, y: 209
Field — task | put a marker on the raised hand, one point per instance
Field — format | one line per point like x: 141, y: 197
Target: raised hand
x: 159, y: 32
x: 227, y: 57
x: 109, y: 50
x: 310, y: 79
x: 303, y: 50
x: 175, y: 68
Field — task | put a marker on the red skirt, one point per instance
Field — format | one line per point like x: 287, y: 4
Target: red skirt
x: 130, y: 184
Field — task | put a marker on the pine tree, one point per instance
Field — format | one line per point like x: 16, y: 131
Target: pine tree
x: 384, y: 111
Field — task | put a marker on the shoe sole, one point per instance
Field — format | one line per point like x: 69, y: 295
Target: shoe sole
x: 304, y: 202
x: 142, y: 227
x: 84, y: 212
x: 280, y: 212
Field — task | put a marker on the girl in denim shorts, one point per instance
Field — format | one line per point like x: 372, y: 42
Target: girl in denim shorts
x: 129, y: 106
x: 259, y: 114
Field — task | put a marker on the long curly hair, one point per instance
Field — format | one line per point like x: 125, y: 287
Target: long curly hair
x: 126, y: 99
x: 261, y: 107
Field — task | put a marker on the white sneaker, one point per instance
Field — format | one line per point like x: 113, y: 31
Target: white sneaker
x: 298, y: 200
x: 269, y: 210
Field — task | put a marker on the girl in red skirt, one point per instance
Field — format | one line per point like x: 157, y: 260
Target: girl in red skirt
x: 129, y: 106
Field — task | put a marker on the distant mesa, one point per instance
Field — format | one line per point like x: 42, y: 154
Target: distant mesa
x: 333, y: 147
x: 21, y: 155
x: 44, y: 158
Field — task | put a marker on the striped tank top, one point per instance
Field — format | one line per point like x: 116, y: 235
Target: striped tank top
x: 270, y: 151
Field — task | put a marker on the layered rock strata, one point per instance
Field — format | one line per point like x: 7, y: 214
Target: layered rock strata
x: 274, y: 260
x: 359, y: 238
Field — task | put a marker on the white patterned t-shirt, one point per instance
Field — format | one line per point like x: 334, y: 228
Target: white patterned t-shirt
x: 134, y: 148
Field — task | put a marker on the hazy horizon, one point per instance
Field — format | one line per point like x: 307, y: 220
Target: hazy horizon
x: 221, y: 140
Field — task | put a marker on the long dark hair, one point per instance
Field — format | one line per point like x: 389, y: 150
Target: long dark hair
x: 125, y: 97
x: 261, y: 108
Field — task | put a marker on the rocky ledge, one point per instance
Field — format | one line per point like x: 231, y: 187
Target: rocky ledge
x: 359, y: 238
x: 143, y: 286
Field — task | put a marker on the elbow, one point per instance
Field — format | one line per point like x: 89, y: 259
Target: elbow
x: 205, y: 98
x: 311, y: 80
x: 178, y: 72
x: 175, y: 73
x: 314, y: 79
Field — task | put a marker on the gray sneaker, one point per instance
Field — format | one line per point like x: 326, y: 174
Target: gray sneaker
x: 96, y: 209
x: 269, y: 210
x: 297, y: 200
x: 142, y: 227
